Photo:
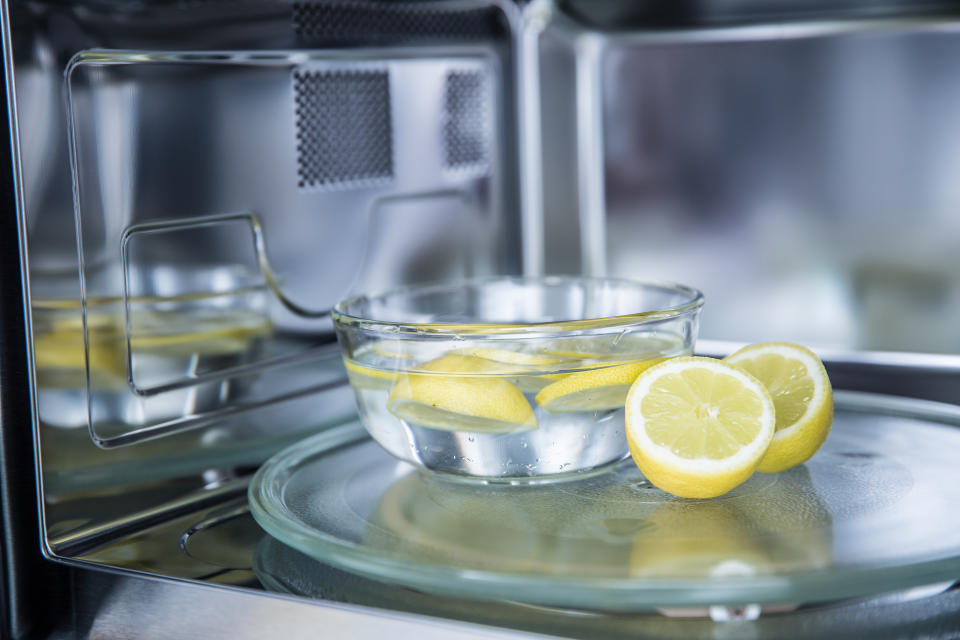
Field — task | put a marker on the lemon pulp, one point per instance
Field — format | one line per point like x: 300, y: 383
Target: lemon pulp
x: 596, y: 389
x: 802, y: 395
x: 460, y: 393
x: 524, y: 369
x: 365, y: 377
x: 629, y: 346
x: 698, y: 427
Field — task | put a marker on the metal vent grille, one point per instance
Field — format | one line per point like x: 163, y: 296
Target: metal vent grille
x: 366, y: 22
x: 466, y: 127
x: 343, y: 127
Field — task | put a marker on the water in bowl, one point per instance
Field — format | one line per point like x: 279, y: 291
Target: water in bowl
x: 501, y: 409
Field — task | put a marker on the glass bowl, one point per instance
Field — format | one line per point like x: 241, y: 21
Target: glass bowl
x: 509, y: 378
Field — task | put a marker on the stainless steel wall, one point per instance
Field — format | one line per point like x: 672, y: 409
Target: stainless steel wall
x: 804, y: 176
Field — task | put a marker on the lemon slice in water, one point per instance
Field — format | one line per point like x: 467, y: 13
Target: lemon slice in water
x: 367, y: 377
x: 597, y: 389
x: 802, y: 395
x: 698, y: 427
x: 460, y: 393
x: 616, y: 346
x: 524, y: 369
x: 508, y: 356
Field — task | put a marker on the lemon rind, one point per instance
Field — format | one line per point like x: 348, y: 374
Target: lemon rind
x: 595, y: 378
x: 747, y: 457
x: 809, y: 360
x: 789, y: 448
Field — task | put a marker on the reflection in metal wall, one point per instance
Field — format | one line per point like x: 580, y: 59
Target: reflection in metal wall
x: 807, y: 184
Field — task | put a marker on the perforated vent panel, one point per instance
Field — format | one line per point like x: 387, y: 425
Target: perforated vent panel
x: 343, y: 126
x: 466, y: 126
x: 363, y: 22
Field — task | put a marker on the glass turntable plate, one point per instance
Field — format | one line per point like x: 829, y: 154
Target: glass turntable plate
x: 873, y: 512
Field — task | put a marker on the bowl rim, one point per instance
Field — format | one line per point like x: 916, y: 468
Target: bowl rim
x: 341, y: 317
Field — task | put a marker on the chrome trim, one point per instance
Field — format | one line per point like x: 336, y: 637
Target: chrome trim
x: 590, y: 155
x: 884, y: 361
x: 85, y: 540
x: 27, y: 576
x: 128, y: 607
x: 764, y: 32
x: 536, y: 16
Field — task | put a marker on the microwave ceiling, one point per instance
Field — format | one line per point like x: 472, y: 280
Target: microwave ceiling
x: 625, y: 15
x: 284, y: 23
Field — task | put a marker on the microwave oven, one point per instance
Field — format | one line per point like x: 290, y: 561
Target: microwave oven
x: 192, y: 185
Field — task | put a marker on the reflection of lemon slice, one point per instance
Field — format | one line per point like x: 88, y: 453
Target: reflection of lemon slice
x: 460, y: 393
x: 597, y: 389
x: 64, y: 351
x: 697, y: 540
x: 222, y: 341
x: 698, y: 427
x: 794, y: 520
x: 451, y: 522
x: 798, y: 383
x: 166, y: 333
x: 197, y: 333
x: 59, y: 344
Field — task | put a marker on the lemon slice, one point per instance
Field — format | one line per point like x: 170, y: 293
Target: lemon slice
x: 630, y: 346
x: 597, y: 389
x: 698, y: 427
x: 376, y: 366
x: 802, y: 395
x: 366, y: 377
x: 507, y: 356
x: 524, y: 368
x: 460, y: 393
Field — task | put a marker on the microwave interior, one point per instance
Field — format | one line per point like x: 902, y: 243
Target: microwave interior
x: 197, y: 184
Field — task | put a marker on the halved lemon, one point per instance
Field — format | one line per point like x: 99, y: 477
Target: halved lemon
x: 460, y: 393
x: 597, y: 389
x: 698, y: 427
x: 802, y: 395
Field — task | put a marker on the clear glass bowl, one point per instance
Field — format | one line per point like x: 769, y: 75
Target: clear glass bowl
x: 508, y: 377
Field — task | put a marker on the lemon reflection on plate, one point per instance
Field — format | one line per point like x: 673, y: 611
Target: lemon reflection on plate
x: 593, y: 528
x: 785, y: 527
